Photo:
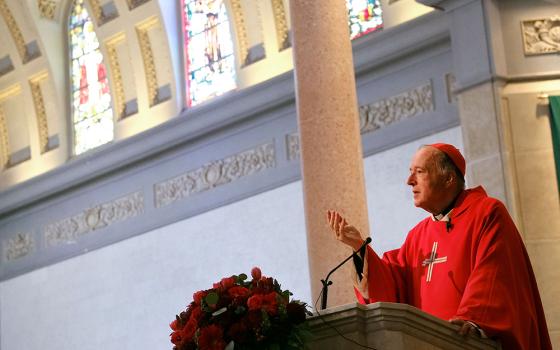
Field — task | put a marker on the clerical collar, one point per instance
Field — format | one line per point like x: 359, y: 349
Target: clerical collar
x: 445, y: 215
x: 442, y: 217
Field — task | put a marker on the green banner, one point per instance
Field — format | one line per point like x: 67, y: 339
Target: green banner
x: 555, y: 127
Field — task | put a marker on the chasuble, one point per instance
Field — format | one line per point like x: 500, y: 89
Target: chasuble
x: 473, y: 267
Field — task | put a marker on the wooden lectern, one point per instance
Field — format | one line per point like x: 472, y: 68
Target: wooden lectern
x: 388, y: 326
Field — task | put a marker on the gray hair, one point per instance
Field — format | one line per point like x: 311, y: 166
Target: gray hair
x: 445, y: 167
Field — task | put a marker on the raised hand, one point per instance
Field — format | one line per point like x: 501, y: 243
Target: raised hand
x: 345, y: 233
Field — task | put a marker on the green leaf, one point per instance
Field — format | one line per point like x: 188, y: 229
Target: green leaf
x: 242, y: 277
x: 212, y: 298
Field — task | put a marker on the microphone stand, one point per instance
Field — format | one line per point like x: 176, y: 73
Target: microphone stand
x: 327, y: 283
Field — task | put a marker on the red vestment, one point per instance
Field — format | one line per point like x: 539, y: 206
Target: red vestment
x: 486, y: 276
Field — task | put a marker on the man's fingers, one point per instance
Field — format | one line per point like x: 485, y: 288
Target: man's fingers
x: 465, y: 327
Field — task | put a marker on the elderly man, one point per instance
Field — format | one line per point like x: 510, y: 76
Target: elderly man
x: 465, y: 263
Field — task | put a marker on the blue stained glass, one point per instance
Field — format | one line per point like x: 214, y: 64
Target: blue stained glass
x: 209, y: 49
x: 364, y: 16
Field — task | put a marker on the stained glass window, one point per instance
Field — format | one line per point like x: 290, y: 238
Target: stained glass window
x: 364, y: 16
x: 210, y: 62
x: 91, y: 99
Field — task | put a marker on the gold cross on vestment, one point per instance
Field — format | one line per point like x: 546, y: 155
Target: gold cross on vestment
x: 431, y: 261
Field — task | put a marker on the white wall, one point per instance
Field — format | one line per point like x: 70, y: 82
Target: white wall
x: 123, y: 296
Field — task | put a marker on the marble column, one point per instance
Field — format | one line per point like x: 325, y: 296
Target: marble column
x: 331, y: 149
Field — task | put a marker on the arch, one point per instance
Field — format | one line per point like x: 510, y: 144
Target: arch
x: 209, y: 57
x: 364, y: 16
x: 92, y: 113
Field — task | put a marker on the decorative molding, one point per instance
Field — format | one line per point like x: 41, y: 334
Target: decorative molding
x: 47, y: 8
x: 240, y: 31
x: 541, y: 36
x: 393, y: 109
x: 215, y: 174
x: 292, y: 145
x: 4, y: 141
x: 5, y: 150
x: 40, y: 111
x: 14, y: 30
x: 103, y: 13
x: 380, y: 114
x: 68, y: 230
x: 450, y: 87
x: 116, y: 77
x: 132, y: 4
x: 281, y: 24
x: 148, y: 58
x: 18, y: 247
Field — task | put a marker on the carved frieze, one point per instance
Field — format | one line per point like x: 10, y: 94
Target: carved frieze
x: 541, y: 36
x: 68, y: 230
x: 215, y: 174
x: 292, y: 144
x: 18, y: 247
x: 379, y: 114
x: 393, y: 109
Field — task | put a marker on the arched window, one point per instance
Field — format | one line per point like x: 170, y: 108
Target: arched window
x: 210, y: 64
x: 364, y: 16
x: 92, y: 115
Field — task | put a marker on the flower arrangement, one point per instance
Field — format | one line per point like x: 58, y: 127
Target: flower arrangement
x: 241, y: 314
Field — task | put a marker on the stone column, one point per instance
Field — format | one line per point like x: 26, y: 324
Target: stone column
x: 331, y: 150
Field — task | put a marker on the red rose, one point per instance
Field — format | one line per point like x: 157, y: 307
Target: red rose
x: 256, y: 273
x: 266, y: 302
x: 211, y: 338
x: 190, y: 329
x: 227, y: 282
x: 255, y: 302
x: 198, y: 296
x: 178, y: 338
x: 196, y: 313
x: 238, y: 292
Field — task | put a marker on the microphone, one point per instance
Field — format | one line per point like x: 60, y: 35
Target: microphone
x: 327, y: 283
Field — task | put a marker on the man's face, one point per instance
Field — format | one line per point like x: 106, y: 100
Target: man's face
x: 428, y: 185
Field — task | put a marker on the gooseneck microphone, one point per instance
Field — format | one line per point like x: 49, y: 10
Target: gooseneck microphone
x: 327, y: 283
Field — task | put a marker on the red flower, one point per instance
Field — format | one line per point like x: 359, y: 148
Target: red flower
x: 198, y: 296
x: 239, y: 292
x: 196, y: 313
x: 266, y: 302
x: 211, y: 338
x: 256, y: 273
x: 190, y: 329
x: 174, y: 325
x: 227, y: 282
x: 178, y: 338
